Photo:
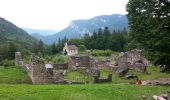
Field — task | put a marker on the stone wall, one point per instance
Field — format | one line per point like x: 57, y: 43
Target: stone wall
x: 37, y: 71
x: 83, y: 63
x: 98, y: 79
x: 133, y: 60
x: 18, y: 59
x: 60, y: 66
x: 42, y: 73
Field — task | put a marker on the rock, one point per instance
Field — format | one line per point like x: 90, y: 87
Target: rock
x: 165, y: 96
x: 161, y: 81
x: 144, y: 97
x: 158, y: 98
x: 130, y: 76
x: 121, y: 71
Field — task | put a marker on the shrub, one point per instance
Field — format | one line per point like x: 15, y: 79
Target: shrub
x: 7, y: 63
x: 59, y: 59
x: 101, y: 53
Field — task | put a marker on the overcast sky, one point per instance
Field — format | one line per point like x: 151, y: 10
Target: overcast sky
x: 56, y: 14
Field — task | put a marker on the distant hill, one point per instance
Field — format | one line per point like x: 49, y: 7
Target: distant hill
x: 11, y: 33
x: 40, y: 31
x: 78, y: 28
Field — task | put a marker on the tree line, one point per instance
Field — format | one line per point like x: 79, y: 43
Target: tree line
x: 103, y: 39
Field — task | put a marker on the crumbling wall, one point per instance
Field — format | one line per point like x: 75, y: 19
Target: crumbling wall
x: 83, y: 63
x: 18, y: 59
x: 63, y: 66
x: 42, y: 73
x: 133, y: 60
x: 98, y: 79
x: 37, y: 71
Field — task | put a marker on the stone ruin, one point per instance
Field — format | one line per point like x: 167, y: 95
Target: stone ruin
x: 89, y: 66
x: 42, y: 73
x: 18, y: 59
x: 37, y: 70
x: 131, y: 60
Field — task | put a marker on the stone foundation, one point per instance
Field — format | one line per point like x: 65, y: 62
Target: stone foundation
x: 42, y: 73
x: 133, y: 60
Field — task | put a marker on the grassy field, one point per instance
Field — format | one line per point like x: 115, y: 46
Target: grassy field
x: 75, y: 76
x: 16, y: 75
x: 13, y: 75
x: 104, y: 91
x: 77, y: 92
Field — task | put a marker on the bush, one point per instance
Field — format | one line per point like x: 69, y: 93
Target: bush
x: 101, y: 53
x: 81, y: 48
x: 7, y: 63
x: 59, y: 59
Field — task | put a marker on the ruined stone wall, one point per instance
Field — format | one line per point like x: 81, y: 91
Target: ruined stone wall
x: 133, y: 59
x: 40, y: 73
x: 83, y: 63
x: 97, y: 79
x: 37, y: 71
x: 63, y: 66
x: 18, y: 59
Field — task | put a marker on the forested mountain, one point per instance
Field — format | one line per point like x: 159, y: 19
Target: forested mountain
x: 13, y: 38
x: 78, y: 28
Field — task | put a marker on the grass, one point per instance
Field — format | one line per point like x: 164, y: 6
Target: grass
x: 76, y: 76
x: 79, y: 92
x: 104, y: 91
x: 153, y: 73
x: 13, y: 75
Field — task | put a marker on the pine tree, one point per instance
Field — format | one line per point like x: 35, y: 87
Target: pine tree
x: 149, y: 22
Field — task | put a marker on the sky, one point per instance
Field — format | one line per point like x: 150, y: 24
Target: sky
x: 56, y: 14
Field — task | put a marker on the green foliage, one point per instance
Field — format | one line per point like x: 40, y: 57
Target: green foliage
x: 101, y: 40
x: 149, y: 27
x: 7, y: 63
x: 104, y: 40
x: 60, y: 59
x: 8, y: 49
x: 81, y: 48
x: 39, y: 48
x: 56, y: 59
x: 104, y: 73
x: 11, y: 33
x: 56, y: 47
x: 101, y: 53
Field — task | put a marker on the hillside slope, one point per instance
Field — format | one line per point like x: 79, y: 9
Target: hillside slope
x: 11, y: 33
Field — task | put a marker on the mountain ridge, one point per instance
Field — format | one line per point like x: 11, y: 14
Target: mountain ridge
x: 77, y: 28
